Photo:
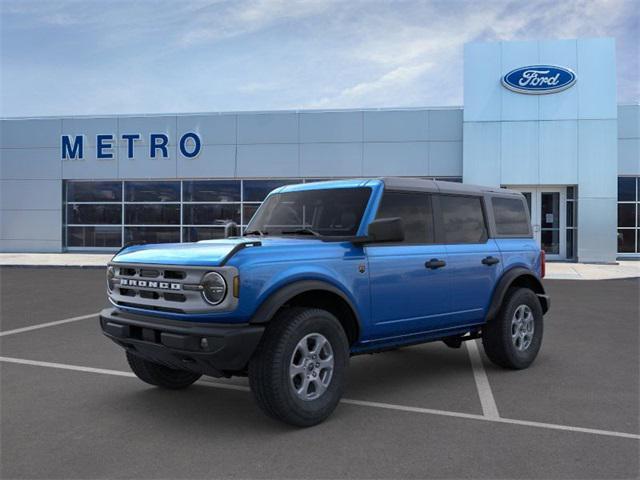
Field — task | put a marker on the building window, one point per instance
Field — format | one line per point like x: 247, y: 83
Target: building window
x: 628, y: 215
x: 106, y: 215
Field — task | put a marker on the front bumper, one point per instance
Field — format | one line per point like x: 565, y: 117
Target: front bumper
x: 180, y: 345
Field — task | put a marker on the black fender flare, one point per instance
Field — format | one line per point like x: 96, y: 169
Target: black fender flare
x: 508, y: 278
x: 280, y: 297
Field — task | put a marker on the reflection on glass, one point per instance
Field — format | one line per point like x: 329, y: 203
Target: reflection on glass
x: 152, y: 191
x: 626, y: 214
x: 626, y: 241
x: 570, y: 237
x: 133, y: 235
x: 94, y: 236
x: 248, y: 211
x: 211, y: 214
x: 626, y: 189
x: 550, y: 210
x: 550, y: 240
x: 94, y: 191
x: 211, y: 191
x: 257, y: 190
x: 195, y: 234
x: 152, y: 214
x: 570, y: 214
x: 108, y: 214
x: 509, y: 216
x: 335, y: 212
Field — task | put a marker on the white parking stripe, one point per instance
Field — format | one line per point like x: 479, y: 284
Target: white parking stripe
x: 484, y: 418
x: 363, y: 403
x: 45, y: 325
x: 489, y: 407
x: 64, y: 366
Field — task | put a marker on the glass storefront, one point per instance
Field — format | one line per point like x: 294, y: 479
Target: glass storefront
x: 105, y: 215
x: 628, y: 215
x: 553, y: 212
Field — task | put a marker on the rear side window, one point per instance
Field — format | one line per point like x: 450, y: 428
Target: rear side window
x: 463, y: 219
x: 415, y: 211
x: 510, y: 216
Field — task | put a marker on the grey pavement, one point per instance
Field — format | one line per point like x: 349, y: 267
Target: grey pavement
x: 59, y: 423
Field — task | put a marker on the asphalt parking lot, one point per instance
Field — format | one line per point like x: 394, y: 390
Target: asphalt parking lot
x: 71, y: 409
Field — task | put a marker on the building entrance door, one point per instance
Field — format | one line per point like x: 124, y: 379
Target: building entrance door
x: 547, y: 207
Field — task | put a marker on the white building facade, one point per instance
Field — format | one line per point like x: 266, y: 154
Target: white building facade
x: 540, y: 117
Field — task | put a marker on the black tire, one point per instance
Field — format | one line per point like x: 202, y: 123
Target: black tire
x: 497, y: 333
x: 159, y: 375
x: 269, y: 376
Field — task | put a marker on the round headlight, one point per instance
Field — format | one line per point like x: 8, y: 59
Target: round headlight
x: 214, y: 288
x: 111, y: 272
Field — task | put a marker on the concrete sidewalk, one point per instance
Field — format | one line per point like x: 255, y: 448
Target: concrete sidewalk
x: 555, y: 270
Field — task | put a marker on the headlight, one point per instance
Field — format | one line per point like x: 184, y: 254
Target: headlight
x: 111, y: 272
x: 214, y: 288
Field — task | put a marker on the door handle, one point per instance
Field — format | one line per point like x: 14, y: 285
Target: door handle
x: 490, y: 260
x: 435, y: 263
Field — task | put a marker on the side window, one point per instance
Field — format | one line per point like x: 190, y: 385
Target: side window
x: 510, y: 216
x: 462, y: 219
x: 415, y: 211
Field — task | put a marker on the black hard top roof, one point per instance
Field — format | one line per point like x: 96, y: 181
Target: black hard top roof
x: 426, y: 185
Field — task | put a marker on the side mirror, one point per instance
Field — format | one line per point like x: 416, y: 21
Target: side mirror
x: 231, y: 229
x: 386, y: 230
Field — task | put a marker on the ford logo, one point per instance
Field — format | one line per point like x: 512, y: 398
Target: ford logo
x: 539, y: 79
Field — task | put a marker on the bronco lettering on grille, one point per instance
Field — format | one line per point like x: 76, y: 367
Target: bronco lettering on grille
x: 129, y: 282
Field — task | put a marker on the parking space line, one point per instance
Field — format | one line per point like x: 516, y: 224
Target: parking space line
x: 363, y: 403
x: 45, y: 325
x: 64, y: 366
x: 489, y: 407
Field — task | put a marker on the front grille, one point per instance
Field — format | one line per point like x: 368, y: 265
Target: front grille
x: 166, y: 288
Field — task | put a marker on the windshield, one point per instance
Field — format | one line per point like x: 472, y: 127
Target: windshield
x: 325, y: 212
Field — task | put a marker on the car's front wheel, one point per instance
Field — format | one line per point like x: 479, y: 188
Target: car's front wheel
x: 297, y: 374
x: 159, y: 375
x: 512, y: 339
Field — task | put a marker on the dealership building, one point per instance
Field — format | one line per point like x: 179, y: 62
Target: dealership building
x: 540, y: 117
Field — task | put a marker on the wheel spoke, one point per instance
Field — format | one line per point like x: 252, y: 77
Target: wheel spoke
x: 296, y: 370
x: 319, y: 386
x: 304, y: 386
x: 320, y: 342
x: 325, y: 362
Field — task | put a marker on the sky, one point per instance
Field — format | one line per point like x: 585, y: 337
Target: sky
x: 91, y: 57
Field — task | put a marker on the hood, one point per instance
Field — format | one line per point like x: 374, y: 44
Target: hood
x: 205, y: 253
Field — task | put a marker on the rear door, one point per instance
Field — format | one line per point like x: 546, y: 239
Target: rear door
x: 409, y: 280
x: 474, y: 259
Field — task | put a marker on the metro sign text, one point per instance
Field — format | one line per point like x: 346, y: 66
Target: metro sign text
x: 73, y: 146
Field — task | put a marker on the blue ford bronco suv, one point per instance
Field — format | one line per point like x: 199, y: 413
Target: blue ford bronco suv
x: 328, y: 270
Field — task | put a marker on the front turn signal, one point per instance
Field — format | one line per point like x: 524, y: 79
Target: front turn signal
x: 236, y: 286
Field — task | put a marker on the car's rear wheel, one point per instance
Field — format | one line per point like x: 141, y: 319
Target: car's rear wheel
x: 297, y: 374
x: 159, y: 375
x: 512, y: 339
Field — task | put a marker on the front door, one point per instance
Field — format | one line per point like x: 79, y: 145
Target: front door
x: 547, y: 207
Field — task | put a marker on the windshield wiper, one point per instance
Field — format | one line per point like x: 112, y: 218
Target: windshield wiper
x: 256, y: 232
x: 302, y: 231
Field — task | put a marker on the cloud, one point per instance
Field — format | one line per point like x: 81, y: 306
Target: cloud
x: 223, y: 20
x: 390, y: 82
x: 89, y: 57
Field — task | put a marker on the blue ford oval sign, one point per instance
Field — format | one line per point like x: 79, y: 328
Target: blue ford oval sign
x: 539, y: 79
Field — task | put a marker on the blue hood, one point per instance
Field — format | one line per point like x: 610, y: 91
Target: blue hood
x: 206, y: 253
